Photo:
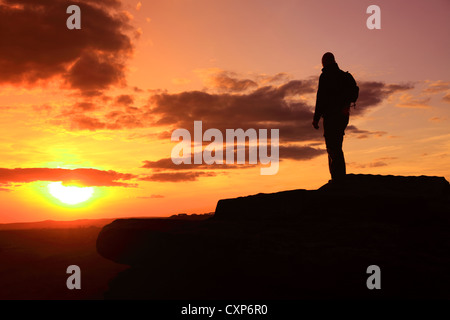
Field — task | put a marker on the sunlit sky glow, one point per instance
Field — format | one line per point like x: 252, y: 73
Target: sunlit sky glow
x: 96, y: 106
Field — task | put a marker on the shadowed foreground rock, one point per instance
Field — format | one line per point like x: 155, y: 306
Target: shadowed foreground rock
x: 297, y: 244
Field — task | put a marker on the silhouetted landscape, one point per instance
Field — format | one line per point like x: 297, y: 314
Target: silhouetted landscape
x: 34, y: 262
x: 34, y: 257
x: 298, y: 244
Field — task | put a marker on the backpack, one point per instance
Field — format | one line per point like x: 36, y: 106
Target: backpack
x: 350, y: 89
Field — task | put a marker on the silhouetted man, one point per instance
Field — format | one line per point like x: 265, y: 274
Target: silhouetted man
x: 334, y: 106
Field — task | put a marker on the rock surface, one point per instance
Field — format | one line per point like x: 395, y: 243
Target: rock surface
x: 298, y: 244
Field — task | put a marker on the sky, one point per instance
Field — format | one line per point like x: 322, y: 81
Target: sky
x: 96, y: 107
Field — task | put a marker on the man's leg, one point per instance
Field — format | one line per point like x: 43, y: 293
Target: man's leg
x: 336, y: 160
x: 334, y: 131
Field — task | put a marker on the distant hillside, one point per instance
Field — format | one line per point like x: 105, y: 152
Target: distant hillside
x: 51, y: 224
x: 84, y: 223
x: 34, y: 262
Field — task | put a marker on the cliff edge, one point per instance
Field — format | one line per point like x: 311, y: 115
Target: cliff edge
x: 298, y: 244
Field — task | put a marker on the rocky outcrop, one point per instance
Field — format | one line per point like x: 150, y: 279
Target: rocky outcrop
x: 295, y: 244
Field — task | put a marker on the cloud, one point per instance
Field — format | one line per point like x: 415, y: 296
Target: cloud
x: 437, y: 119
x: 240, y: 103
x: 84, y: 176
x: 266, y: 107
x: 422, y: 100
x: 95, y: 71
x: 82, y: 122
x: 279, y: 77
x: 372, y: 93
x: 177, y: 176
x: 114, y: 120
x: 153, y: 196
x: 124, y: 100
x: 167, y: 164
x: 409, y: 101
x: 364, y: 134
x: 291, y: 152
x: 374, y: 164
x: 300, y: 152
x: 380, y: 162
x: 226, y: 81
x: 437, y: 86
x: 446, y: 98
x: 37, y: 46
x: 386, y: 158
x: 166, y: 171
x: 85, y: 106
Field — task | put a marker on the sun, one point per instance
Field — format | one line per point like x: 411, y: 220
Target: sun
x: 70, y: 194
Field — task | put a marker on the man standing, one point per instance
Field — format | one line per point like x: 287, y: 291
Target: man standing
x: 333, y: 104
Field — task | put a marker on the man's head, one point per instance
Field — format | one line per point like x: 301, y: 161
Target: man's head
x: 327, y: 59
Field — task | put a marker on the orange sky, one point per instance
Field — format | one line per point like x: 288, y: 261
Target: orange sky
x: 98, y: 105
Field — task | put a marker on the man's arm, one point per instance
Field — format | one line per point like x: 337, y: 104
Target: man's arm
x: 318, y: 108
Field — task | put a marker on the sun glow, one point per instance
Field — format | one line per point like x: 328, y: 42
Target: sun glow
x: 70, y: 194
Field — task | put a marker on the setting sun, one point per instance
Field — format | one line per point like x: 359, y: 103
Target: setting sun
x: 70, y: 194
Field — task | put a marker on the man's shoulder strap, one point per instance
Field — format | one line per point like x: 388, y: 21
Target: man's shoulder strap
x: 348, y: 74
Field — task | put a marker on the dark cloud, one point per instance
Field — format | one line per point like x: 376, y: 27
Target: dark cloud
x: 114, y: 120
x: 85, y: 106
x: 177, y: 176
x: 275, y: 106
x: 123, y: 120
x: 380, y: 162
x: 265, y: 107
x: 36, y: 44
x: 377, y: 164
x: 84, y: 176
x: 364, y: 134
x: 372, y: 93
x: 82, y: 122
x: 374, y: 164
x: 299, y: 152
x: 165, y: 170
x: 125, y: 100
x: 292, y: 152
x: 167, y: 164
x: 94, y: 72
